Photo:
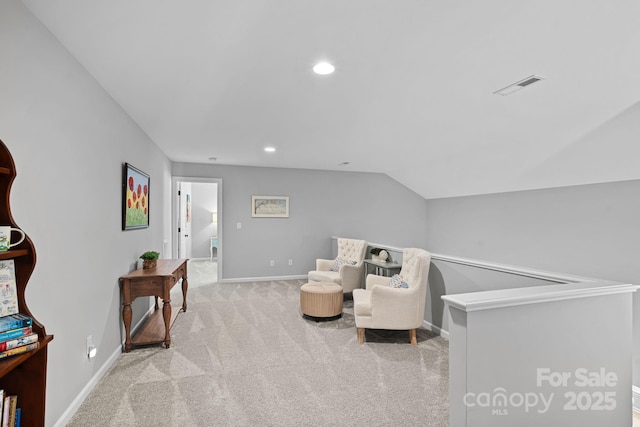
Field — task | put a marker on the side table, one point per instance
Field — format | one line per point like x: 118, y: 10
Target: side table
x: 155, y: 282
x: 381, y: 268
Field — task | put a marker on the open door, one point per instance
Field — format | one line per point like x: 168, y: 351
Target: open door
x: 184, y: 220
x: 197, y: 221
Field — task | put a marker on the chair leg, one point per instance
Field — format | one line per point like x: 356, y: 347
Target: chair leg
x: 412, y: 337
x: 360, y: 336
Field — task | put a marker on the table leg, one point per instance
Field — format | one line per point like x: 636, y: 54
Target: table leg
x: 126, y: 318
x: 363, y: 284
x: 166, y: 314
x: 185, y: 287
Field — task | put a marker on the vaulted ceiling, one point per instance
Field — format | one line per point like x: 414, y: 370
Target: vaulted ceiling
x: 412, y: 95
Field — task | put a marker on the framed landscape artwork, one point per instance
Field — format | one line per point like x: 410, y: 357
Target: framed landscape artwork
x: 135, y: 198
x: 270, y: 206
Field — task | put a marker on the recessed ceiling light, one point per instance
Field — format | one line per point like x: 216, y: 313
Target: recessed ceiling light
x: 323, y: 68
x: 270, y: 149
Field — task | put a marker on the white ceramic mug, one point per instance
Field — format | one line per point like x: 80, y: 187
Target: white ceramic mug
x: 5, y: 237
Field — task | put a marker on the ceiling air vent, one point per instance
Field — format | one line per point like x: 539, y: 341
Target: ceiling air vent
x: 519, y: 85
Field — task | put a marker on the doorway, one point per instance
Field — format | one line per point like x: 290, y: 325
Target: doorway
x: 197, y: 223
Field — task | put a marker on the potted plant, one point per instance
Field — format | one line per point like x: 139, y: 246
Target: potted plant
x: 149, y: 259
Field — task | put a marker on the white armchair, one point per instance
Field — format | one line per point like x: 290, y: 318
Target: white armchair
x: 348, y: 267
x: 383, y: 307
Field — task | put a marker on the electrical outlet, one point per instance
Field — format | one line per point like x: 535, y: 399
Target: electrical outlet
x: 91, y: 349
x: 239, y: 225
x: 290, y: 262
x: 272, y: 263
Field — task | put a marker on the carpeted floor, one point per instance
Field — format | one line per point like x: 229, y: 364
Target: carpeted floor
x: 242, y: 355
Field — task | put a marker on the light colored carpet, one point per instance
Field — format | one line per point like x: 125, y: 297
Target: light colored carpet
x: 201, y: 272
x: 242, y: 355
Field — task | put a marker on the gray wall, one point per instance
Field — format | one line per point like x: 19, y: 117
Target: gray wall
x: 589, y: 230
x: 322, y: 204
x: 69, y: 140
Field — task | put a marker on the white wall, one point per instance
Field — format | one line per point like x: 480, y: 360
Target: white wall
x: 69, y: 140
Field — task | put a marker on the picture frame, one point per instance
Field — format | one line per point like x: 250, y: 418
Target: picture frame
x: 135, y: 198
x: 270, y: 206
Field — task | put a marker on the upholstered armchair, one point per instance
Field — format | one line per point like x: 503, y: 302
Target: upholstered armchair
x: 382, y: 305
x: 348, y: 267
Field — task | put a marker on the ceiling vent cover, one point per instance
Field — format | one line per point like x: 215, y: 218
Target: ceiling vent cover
x: 519, y: 85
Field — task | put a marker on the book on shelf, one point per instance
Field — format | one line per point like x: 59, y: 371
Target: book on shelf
x: 19, y: 350
x: 1, y: 405
x: 15, y: 333
x: 8, y: 288
x: 11, y: 415
x: 15, y: 321
x: 5, y: 410
x: 18, y: 342
x: 13, y: 405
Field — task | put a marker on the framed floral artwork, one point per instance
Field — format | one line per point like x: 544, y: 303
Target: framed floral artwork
x: 135, y: 198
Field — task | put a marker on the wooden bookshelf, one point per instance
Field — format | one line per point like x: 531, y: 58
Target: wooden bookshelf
x: 11, y: 254
x: 24, y: 375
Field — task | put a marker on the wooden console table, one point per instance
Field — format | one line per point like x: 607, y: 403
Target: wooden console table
x: 155, y: 282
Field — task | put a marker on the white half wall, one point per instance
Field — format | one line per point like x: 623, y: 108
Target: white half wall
x: 539, y: 356
x: 588, y: 230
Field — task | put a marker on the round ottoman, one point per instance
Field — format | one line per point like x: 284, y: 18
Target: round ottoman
x: 321, y: 301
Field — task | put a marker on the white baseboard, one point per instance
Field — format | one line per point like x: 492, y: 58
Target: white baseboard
x: 95, y: 379
x: 264, y: 279
x: 635, y: 393
x: 436, y: 330
x: 86, y: 391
